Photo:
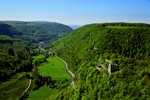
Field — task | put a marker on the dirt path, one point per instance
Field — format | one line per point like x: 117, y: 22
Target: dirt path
x: 69, y: 71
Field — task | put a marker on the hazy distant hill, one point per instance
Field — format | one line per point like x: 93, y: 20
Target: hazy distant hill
x: 87, y: 50
x: 75, y: 26
x: 8, y: 30
x: 40, y: 31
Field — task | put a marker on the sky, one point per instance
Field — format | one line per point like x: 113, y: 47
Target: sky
x: 76, y: 12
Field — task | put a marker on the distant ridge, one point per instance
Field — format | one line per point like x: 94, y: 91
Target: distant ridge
x: 8, y: 30
x: 40, y: 30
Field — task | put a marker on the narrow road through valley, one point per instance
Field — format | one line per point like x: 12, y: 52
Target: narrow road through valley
x: 69, y: 71
x: 28, y: 86
x: 30, y: 82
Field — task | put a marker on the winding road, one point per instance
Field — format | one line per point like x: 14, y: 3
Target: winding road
x: 30, y: 82
x: 28, y: 86
x: 69, y: 71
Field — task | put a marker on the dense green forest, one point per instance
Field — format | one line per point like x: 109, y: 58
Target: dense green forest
x: 14, y: 53
x: 125, y: 45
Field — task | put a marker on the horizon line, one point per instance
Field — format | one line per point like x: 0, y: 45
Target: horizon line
x: 76, y: 24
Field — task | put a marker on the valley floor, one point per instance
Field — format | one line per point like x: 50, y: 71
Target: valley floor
x: 55, y: 68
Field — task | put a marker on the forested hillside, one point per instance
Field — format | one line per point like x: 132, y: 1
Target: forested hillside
x: 39, y: 31
x: 14, y: 53
x: 8, y: 30
x: 89, y: 51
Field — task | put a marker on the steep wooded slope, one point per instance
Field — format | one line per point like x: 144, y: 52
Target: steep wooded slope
x: 126, y: 45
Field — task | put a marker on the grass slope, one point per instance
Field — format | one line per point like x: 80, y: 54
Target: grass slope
x: 54, y: 68
x: 43, y: 93
x: 14, y: 88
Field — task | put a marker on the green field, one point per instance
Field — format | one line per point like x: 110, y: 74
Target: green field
x: 43, y: 93
x: 54, y: 68
x: 13, y: 88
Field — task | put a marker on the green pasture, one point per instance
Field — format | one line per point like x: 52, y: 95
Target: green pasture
x: 43, y: 93
x: 54, y: 68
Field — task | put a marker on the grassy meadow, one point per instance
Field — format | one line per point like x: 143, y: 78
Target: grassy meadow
x: 43, y: 93
x: 54, y: 68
